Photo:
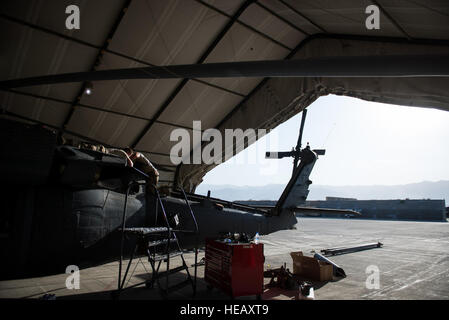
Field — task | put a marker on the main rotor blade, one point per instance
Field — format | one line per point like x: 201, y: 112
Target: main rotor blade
x: 359, y: 66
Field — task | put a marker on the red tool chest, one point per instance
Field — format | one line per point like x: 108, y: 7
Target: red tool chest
x: 235, y: 268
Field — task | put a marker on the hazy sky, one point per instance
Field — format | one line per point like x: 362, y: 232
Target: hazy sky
x: 366, y: 143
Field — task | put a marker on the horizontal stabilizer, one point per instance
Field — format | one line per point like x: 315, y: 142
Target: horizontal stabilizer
x: 314, y: 210
x: 325, y: 210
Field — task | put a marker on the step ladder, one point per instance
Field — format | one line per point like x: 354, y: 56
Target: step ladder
x: 161, y: 244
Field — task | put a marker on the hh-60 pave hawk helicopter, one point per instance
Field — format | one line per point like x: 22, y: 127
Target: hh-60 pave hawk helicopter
x: 71, y: 206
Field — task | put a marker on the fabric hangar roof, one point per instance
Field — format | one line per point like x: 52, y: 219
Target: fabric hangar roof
x: 142, y: 113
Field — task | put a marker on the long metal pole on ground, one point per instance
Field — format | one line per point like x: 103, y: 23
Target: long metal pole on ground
x: 342, y: 250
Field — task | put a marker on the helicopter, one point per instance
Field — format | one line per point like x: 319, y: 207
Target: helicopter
x: 65, y: 204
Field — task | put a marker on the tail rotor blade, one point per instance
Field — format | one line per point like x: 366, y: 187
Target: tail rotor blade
x: 301, y: 129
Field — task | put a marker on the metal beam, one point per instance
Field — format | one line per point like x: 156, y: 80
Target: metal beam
x: 97, y: 60
x: 75, y: 134
x: 48, y: 31
x: 78, y: 135
x: 93, y: 46
x: 302, y: 15
x: 282, y: 19
x: 245, y: 25
x: 226, y: 118
x: 343, y: 250
x: 90, y: 107
x: 200, y: 60
x: 392, y: 20
x: 422, y: 5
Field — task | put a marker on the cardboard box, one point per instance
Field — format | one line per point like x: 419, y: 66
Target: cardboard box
x: 311, y: 268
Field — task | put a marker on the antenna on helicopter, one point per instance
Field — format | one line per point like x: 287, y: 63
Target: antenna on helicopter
x: 296, y: 152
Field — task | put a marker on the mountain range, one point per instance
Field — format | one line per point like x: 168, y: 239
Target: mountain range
x: 420, y: 190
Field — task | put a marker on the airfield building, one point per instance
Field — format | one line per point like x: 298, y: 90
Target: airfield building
x: 406, y: 209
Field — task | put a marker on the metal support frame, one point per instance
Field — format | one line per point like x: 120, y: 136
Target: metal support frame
x: 90, y: 107
x: 162, y: 167
x: 282, y: 18
x: 241, y: 103
x: 121, y: 281
x: 197, y: 231
x: 302, y: 15
x: 184, y: 81
x: 392, y: 20
x: 106, y: 50
x: 263, y: 35
x: 97, y: 61
x: 156, y: 275
x: 343, y: 250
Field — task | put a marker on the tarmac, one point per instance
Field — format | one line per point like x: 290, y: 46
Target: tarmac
x: 412, y: 264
